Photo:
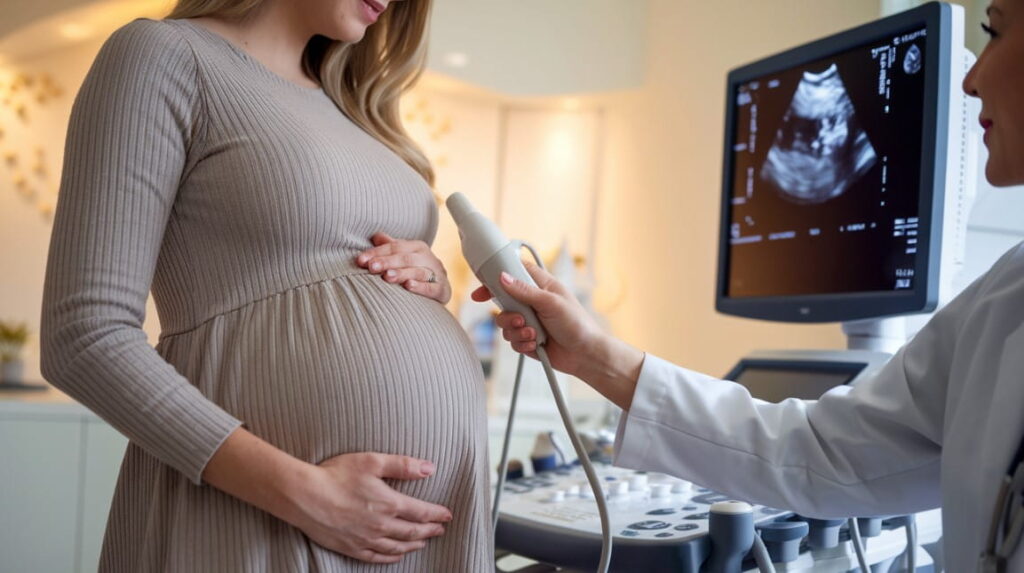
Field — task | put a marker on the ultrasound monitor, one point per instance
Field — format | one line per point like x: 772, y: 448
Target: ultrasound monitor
x: 843, y: 167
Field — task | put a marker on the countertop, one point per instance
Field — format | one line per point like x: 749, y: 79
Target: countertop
x: 54, y: 403
x: 34, y: 403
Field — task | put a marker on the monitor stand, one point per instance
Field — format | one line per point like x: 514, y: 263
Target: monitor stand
x: 878, y: 334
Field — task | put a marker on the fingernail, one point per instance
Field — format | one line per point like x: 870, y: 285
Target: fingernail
x: 375, y: 267
x: 390, y: 274
x: 506, y: 278
x: 519, y: 322
x: 361, y: 259
x: 426, y: 468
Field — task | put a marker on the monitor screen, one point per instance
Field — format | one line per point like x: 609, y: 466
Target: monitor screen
x: 826, y: 171
x: 831, y: 200
x: 775, y: 383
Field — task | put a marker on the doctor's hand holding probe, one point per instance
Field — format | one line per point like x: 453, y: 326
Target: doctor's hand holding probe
x: 940, y: 425
x: 576, y: 344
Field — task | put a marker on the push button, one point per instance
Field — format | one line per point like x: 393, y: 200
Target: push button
x: 649, y: 525
x: 666, y: 511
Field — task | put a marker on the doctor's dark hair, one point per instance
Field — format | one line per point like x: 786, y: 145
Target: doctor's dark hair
x: 365, y: 79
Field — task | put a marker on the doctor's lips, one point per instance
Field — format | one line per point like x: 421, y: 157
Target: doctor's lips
x: 376, y: 8
x: 986, y: 123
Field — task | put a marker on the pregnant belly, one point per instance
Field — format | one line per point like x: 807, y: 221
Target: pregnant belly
x: 351, y: 364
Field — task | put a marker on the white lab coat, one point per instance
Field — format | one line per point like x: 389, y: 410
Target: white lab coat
x: 938, y: 425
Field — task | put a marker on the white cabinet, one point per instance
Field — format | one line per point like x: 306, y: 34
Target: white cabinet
x: 58, y: 468
x: 103, y: 448
x: 40, y: 469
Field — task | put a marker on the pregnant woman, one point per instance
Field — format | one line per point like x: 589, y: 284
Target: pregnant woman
x: 310, y: 405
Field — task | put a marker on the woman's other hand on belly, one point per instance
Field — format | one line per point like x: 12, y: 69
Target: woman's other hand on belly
x: 347, y: 507
x: 408, y: 263
x: 343, y: 504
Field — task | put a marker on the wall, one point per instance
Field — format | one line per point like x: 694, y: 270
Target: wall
x: 663, y: 178
x: 995, y: 224
x: 24, y: 228
x: 531, y: 165
x: 18, y: 13
x: 44, y: 40
x: 459, y: 126
x: 506, y: 154
x: 32, y: 28
x: 658, y: 188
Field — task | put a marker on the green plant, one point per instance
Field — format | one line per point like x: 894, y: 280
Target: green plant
x: 12, y: 338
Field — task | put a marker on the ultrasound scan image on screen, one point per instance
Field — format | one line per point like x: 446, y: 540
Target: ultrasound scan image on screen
x: 826, y: 174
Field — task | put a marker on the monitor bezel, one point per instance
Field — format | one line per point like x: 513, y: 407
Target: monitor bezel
x: 937, y: 18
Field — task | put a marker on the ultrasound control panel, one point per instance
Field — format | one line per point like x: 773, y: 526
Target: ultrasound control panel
x: 659, y: 523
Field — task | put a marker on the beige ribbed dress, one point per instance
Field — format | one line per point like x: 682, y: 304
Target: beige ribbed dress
x: 242, y: 199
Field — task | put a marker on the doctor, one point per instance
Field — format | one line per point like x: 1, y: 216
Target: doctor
x: 939, y: 426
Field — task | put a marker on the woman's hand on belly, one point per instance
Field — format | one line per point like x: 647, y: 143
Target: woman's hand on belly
x: 342, y: 504
x: 347, y: 507
x: 409, y: 263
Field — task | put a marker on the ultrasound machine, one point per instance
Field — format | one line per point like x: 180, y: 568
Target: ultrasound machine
x: 848, y: 172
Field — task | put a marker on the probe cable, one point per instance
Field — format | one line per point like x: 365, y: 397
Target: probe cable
x: 761, y: 555
x: 910, y: 526
x: 577, y: 444
x: 858, y: 544
x: 503, y: 464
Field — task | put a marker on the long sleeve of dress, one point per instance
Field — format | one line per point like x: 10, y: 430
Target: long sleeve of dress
x: 873, y: 449
x: 134, y: 121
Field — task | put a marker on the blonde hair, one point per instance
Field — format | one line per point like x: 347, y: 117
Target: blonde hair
x: 365, y: 79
